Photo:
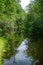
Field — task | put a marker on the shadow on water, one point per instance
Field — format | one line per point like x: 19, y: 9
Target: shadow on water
x: 20, y: 57
x: 35, y: 50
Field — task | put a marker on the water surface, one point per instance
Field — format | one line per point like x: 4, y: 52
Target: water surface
x: 21, y: 57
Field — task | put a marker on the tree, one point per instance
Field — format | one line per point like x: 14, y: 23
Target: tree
x: 11, y: 25
x: 34, y: 28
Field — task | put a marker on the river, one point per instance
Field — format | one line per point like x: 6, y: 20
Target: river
x: 21, y: 57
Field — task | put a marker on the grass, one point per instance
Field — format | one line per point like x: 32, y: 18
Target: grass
x: 2, y: 47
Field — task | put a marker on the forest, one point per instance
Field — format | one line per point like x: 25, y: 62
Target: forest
x: 17, y: 25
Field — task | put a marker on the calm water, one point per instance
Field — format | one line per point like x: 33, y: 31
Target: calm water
x: 20, y: 58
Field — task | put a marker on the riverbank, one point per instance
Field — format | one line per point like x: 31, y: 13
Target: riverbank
x: 2, y: 47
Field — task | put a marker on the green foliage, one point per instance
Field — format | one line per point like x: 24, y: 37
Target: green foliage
x: 34, y: 29
x: 11, y: 25
x: 34, y: 21
x: 2, y: 48
x: 11, y: 17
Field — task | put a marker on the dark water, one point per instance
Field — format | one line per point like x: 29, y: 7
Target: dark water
x: 21, y: 57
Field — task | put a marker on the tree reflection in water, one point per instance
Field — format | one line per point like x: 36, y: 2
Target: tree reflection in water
x: 19, y: 58
x: 35, y: 50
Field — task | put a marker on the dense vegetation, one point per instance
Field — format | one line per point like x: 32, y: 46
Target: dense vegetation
x: 11, y: 27
x: 16, y: 25
x: 34, y: 29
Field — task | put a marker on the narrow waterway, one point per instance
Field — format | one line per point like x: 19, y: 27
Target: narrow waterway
x: 20, y: 58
